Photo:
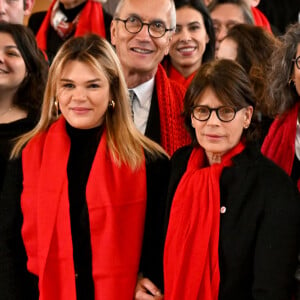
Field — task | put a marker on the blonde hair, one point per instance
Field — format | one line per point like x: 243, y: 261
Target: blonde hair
x: 125, y: 142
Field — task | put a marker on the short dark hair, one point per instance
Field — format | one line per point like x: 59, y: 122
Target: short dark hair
x: 230, y: 83
x: 29, y: 95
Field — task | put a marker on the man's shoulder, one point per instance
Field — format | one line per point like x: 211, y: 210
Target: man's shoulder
x: 35, y: 21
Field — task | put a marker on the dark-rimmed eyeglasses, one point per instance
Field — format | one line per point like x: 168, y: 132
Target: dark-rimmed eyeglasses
x: 224, y: 113
x: 134, y: 24
x: 297, y: 61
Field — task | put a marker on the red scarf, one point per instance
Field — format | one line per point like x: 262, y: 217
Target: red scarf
x: 191, y: 258
x: 91, y: 20
x: 279, y: 144
x: 116, y: 198
x: 178, y: 77
x: 170, y: 102
x: 260, y: 19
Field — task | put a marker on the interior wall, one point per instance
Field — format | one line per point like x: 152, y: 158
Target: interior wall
x: 39, y: 5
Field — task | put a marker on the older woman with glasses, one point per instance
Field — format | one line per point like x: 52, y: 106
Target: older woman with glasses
x: 233, y: 226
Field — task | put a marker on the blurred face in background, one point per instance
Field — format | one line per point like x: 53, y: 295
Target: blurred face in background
x: 227, y: 49
x: 224, y: 17
x: 189, y: 41
x: 13, y: 11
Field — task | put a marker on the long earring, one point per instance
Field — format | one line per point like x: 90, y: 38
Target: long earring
x: 56, y: 108
x: 111, y: 105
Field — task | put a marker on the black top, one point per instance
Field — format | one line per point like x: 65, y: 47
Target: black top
x: 8, y: 132
x: 84, y: 145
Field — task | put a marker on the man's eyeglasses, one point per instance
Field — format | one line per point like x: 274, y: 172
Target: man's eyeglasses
x: 297, y: 61
x: 156, y: 29
x: 224, y: 113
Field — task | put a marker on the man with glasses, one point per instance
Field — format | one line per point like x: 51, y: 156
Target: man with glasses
x: 141, y: 33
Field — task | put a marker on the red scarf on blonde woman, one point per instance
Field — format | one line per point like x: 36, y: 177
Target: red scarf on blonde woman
x: 91, y: 20
x: 191, y: 257
x: 279, y: 144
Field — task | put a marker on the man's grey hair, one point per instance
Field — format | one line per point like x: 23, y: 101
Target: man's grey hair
x: 172, y: 13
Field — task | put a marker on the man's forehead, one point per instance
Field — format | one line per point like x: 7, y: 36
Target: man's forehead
x: 147, y: 10
x: 228, y: 13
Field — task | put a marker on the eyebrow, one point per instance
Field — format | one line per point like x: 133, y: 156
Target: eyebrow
x: 11, y: 47
x: 151, y: 21
x: 89, y: 81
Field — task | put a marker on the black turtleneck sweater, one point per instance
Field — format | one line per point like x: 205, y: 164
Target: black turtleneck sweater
x: 84, y: 145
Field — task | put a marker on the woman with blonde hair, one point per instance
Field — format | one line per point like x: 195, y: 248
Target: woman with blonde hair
x: 92, y: 184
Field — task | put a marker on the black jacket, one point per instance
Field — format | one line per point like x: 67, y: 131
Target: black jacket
x: 260, y: 230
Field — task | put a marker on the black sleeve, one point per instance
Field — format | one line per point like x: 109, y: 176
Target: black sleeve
x: 16, y: 283
x: 157, y: 173
x: 278, y: 240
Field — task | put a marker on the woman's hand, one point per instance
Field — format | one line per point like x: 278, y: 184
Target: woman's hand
x: 146, y: 290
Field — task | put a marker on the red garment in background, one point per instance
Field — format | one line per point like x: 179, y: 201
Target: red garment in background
x: 116, y: 200
x: 279, y: 144
x: 170, y: 102
x: 260, y: 19
x: 91, y: 20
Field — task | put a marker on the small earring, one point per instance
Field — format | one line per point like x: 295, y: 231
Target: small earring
x: 246, y: 126
x: 111, y: 105
x: 56, y: 108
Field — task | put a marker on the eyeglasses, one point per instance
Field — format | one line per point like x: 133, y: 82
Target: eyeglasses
x: 224, y: 113
x: 297, y: 61
x: 156, y: 29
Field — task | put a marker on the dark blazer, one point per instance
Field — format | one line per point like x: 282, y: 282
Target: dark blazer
x: 260, y: 230
x: 16, y: 283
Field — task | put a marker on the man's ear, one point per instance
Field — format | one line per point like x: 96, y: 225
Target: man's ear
x: 28, y: 7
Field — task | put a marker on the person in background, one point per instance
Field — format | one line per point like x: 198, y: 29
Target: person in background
x: 14, y: 11
x: 67, y: 18
x: 227, y: 13
x: 22, y: 81
x: 92, y: 176
x: 259, y: 18
x: 282, y: 144
x: 141, y: 32
x: 193, y: 42
x: 252, y: 47
x: 233, y: 216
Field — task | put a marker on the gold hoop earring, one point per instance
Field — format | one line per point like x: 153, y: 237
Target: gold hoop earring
x: 56, y: 108
x: 111, y: 104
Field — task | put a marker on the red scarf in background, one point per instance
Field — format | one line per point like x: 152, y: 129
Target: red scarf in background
x: 279, y: 144
x: 170, y: 102
x: 178, y: 77
x: 191, y: 257
x: 91, y: 20
x: 260, y: 19
x: 116, y: 199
